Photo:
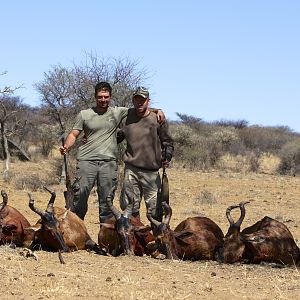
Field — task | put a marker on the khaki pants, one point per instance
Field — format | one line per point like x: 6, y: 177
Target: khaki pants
x: 100, y: 172
x: 142, y: 183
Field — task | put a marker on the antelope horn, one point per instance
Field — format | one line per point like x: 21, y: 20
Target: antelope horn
x: 109, y: 201
x: 5, y: 200
x: 35, y: 209
x: 243, y: 213
x: 128, y: 210
x: 151, y: 219
x: 228, y: 210
x: 168, y: 213
x: 49, y: 208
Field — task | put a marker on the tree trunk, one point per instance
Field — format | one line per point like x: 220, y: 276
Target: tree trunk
x: 5, y: 153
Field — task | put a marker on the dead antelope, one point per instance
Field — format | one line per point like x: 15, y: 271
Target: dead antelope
x: 195, y: 238
x: 267, y: 240
x: 12, y: 225
x: 60, y: 229
x: 124, y: 233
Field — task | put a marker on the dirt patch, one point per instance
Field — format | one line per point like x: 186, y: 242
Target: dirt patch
x: 90, y: 276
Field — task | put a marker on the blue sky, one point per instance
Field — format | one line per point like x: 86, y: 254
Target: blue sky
x: 210, y: 59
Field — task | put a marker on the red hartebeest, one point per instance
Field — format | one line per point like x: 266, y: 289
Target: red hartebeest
x: 61, y: 229
x: 124, y: 232
x: 12, y: 225
x: 267, y: 240
x: 195, y: 238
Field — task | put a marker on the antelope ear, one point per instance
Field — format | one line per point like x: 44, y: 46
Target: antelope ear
x: 34, y: 228
x: 108, y: 225
x: 253, y: 239
x: 63, y: 216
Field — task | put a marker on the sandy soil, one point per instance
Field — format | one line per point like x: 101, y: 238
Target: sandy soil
x: 90, y: 276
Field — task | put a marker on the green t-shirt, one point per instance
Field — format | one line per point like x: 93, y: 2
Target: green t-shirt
x: 100, y: 131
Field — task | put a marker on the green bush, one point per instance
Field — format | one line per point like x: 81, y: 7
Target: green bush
x: 183, y: 135
x: 265, y: 139
x: 226, y: 137
x: 199, y: 144
x: 202, y: 155
x: 290, y: 158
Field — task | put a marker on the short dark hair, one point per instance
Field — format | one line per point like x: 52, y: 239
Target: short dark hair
x: 102, y: 86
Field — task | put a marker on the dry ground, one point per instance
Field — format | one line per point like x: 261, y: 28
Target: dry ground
x: 89, y: 276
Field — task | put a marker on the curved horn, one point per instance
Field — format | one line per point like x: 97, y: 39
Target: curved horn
x: 31, y: 205
x: 5, y: 199
x: 109, y: 201
x: 243, y: 213
x: 49, y: 208
x: 128, y: 210
x: 151, y: 219
x: 228, y: 210
x: 168, y: 213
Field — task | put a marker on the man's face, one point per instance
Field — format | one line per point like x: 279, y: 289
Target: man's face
x: 103, y: 99
x: 140, y: 104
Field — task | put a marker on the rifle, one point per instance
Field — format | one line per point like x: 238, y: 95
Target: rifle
x: 164, y: 193
x: 165, y: 187
x: 68, y: 194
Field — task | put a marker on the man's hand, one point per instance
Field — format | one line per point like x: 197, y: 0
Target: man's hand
x: 161, y: 118
x: 70, y: 140
x: 165, y: 163
x: 63, y: 150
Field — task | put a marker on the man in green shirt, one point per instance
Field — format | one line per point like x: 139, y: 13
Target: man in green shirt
x: 97, y: 157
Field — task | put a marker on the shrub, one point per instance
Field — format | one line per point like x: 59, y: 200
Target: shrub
x: 226, y: 137
x: 48, y: 138
x: 290, y: 158
x: 253, y: 161
x: 202, y: 155
x: 239, y: 124
x: 206, y: 197
x: 34, y: 182
x: 194, y: 150
x: 266, y: 139
x: 183, y: 135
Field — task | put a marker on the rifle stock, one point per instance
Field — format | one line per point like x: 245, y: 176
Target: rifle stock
x: 68, y: 194
x: 163, y: 196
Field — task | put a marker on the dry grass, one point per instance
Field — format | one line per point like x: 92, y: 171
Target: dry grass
x: 89, y: 276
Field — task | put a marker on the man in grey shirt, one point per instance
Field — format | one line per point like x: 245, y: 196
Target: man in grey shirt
x: 96, y: 158
x: 149, y: 147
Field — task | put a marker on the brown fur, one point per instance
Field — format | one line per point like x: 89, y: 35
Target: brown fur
x: 70, y: 226
x: 206, y: 239
x: 267, y: 240
x: 195, y: 238
x: 60, y: 229
x: 13, y: 225
x: 140, y: 236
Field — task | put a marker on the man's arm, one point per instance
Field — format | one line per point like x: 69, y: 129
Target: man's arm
x: 167, y: 144
x: 70, y: 140
x: 161, y: 118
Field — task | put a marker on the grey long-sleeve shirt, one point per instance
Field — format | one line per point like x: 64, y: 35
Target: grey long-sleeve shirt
x: 146, y: 141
